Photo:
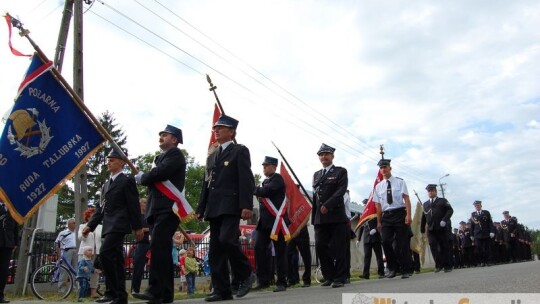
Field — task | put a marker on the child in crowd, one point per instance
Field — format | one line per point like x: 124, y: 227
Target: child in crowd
x: 183, y: 284
x: 84, y: 272
x: 191, y: 268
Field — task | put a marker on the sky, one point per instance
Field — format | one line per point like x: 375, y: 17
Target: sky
x: 449, y: 88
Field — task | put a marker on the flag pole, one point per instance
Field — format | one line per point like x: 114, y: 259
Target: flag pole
x: 294, y: 174
x: 78, y: 101
x: 213, y: 89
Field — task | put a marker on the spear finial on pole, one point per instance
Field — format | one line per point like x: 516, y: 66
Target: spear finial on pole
x: 382, y: 151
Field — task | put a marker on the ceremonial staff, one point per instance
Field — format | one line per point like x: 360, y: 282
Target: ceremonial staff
x: 80, y: 103
x: 213, y: 89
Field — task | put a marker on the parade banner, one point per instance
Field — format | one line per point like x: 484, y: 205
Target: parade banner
x: 46, y: 139
x: 299, y: 208
x: 370, y: 210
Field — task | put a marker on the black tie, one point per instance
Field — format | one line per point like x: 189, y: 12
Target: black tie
x: 219, y: 151
x: 323, y: 172
x: 389, y: 198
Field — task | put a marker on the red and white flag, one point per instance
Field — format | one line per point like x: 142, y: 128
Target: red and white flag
x: 370, y: 210
x: 181, y: 206
x: 213, y: 145
x: 299, y: 208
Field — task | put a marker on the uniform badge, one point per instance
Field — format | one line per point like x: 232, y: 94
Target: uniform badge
x: 226, y: 163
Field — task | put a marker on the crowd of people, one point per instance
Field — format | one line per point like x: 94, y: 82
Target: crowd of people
x: 227, y: 198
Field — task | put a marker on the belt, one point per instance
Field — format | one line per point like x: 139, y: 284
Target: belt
x: 67, y: 249
x: 396, y: 210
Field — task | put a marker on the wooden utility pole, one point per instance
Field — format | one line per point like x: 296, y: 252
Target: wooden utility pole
x: 80, y: 179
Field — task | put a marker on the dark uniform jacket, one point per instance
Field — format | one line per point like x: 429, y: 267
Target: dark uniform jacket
x: 465, y: 236
x: 228, y: 184
x: 482, y: 225
x: 434, y: 213
x: 9, y: 230
x: 509, y: 227
x: 328, y: 190
x: 272, y: 188
x: 119, y: 208
x: 366, y: 228
x: 170, y: 165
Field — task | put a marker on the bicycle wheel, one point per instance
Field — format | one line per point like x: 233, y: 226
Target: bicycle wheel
x: 318, y: 275
x: 45, y: 282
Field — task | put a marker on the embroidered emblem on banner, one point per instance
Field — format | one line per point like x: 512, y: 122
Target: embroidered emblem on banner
x: 24, y: 130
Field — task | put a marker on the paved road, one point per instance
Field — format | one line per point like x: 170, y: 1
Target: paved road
x: 511, y: 278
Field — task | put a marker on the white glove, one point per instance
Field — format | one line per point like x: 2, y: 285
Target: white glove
x: 357, y: 244
x: 472, y: 238
x: 443, y: 224
x: 491, y: 235
x: 372, y: 231
x: 138, y: 177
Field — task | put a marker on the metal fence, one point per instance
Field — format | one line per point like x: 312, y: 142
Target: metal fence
x: 43, y: 252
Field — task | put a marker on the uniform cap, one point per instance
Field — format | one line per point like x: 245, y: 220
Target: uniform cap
x: 365, y: 201
x: 384, y: 162
x: 325, y: 149
x: 462, y: 223
x: 506, y: 212
x: 431, y: 186
x: 174, y: 131
x: 270, y: 161
x: 226, y: 121
x: 115, y: 154
x: 477, y: 203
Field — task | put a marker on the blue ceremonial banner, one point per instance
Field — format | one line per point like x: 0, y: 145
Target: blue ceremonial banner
x: 45, y: 140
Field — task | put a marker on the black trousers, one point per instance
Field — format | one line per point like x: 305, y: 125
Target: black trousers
x: 440, y: 248
x: 112, y: 260
x: 139, y: 260
x: 264, y: 262
x: 368, y: 249
x: 483, y: 249
x: 5, y: 257
x: 330, y: 245
x: 224, y: 249
x: 301, y: 243
x: 161, y: 278
x: 395, y: 230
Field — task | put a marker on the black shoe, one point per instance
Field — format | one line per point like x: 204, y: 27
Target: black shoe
x: 437, y: 269
x: 280, y: 288
x: 405, y: 276
x: 245, y: 286
x: 326, y: 283
x: 365, y: 276
x: 217, y: 297
x: 381, y: 276
x: 3, y: 300
x: 337, y: 284
x: 306, y: 284
x: 105, y: 299
x: 391, y: 274
x: 144, y: 296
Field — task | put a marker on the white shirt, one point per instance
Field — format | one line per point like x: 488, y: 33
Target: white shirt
x: 399, y: 188
x: 347, y: 204
x: 93, y: 239
x: 66, y: 239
